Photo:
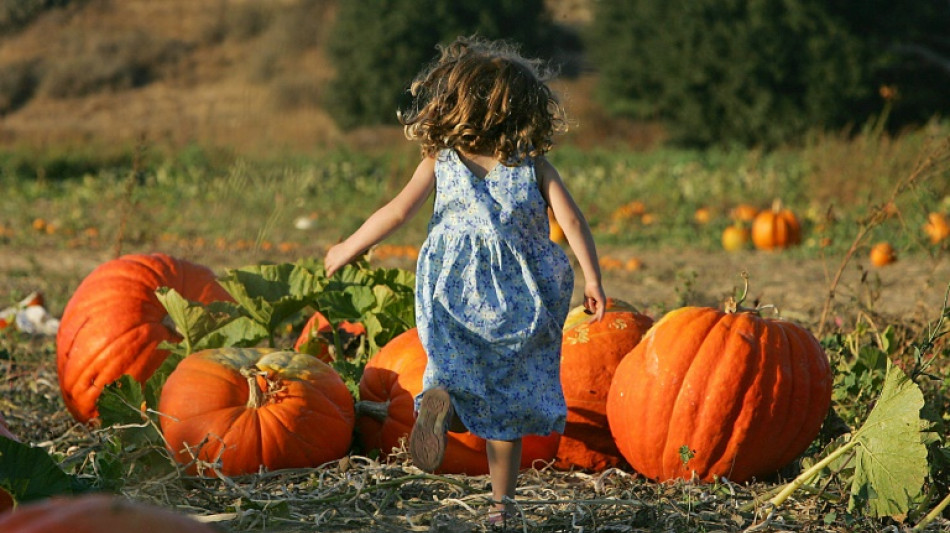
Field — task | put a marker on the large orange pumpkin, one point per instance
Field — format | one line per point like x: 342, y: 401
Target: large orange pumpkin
x: 391, y: 380
x: 249, y: 408
x: 709, y: 393
x: 97, y: 513
x: 590, y: 353
x: 317, y: 336
x: 776, y: 228
x: 113, y: 324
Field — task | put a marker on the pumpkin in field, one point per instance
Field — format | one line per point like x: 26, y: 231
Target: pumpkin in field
x: 113, y: 324
x: 709, y: 393
x: 734, y: 237
x: 590, y: 353
x: 317, y: 337
x: 882, y: 254
x: 97, y: 513
x: 703, y: 215
x: 744, y: 213
x: 937, y: 228
x: 249, y: 408
x: 776, y: 228
x: 391, y: 380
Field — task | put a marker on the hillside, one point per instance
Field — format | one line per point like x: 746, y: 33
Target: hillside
x: 235, y: 73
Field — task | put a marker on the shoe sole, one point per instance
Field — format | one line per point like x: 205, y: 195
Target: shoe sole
x: 427, y: 439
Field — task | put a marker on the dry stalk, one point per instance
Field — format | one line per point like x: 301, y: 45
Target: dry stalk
x: 127, y: 204
x: 935, y: 160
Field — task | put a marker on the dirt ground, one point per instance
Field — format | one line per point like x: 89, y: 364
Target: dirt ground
x: 911, y: 289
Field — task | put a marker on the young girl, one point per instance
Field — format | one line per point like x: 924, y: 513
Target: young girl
x: 492, y: 290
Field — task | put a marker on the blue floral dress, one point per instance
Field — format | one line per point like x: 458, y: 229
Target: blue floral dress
x: 492, y: 293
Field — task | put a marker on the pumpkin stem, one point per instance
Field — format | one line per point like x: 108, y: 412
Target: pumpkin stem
x: 255, y: 396
x: 733, y: 304
x: 777, y: 205
x: 378, y: 411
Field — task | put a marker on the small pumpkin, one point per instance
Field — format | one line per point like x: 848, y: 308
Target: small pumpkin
x: 882, y: 254
x: 734, y: 237
x: 710, y: 393
x: 249, y: 408
x: 113, y: 323
x: 317, y: 336
x: 744, y: 212
x: 703, y: 215
x: 776, y: 228
x: 590, y: 353
x: 391, y: 380
x: 96, y: 513
x: 937, y: 228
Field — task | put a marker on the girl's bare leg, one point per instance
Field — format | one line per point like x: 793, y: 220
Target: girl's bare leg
x: 504, y: 461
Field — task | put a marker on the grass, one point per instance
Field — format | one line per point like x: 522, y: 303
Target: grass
x: 209, y: 196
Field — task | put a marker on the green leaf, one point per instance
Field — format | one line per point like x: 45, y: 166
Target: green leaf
x: 130, y: 412
x: 891, y: 457
x: 192, y: 320
x: 123, y: 403
x: 242, y: 331
x: 31, y: 474
x: 264, y: 291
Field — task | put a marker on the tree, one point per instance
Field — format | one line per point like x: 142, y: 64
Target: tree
x: 757, y: 72
x: 378, y: 46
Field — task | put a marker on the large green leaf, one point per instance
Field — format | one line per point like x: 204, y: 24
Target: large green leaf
x: 263, y: 291
x: 31, y: 474
x: 194, y: 320
x: 891, y: 454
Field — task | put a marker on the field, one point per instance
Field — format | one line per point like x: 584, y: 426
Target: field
x: 63, y: 215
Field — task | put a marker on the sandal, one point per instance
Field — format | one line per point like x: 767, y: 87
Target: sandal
x: 497, y: 518
x: 427, y: 439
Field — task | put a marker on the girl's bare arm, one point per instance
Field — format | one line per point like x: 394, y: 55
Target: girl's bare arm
x: 386, y: 219
x: 576, y: 231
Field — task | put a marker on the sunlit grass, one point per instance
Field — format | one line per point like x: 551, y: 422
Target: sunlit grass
x: 224, y: 200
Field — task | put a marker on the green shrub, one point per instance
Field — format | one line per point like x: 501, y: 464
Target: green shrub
x: 760, y: 73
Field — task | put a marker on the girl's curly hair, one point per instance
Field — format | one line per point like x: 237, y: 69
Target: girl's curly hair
x: 483, y: 97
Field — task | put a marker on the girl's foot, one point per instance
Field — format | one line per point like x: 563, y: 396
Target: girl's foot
x: 427, y: 439
x: 498, y: 517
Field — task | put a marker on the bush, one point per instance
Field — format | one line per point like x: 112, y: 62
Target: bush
x: 378, y: 47
x: 756, y: 73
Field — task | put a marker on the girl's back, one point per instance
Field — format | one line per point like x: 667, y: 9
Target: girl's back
x: 492, y: 294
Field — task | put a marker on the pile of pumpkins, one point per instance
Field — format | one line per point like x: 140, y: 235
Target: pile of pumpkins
x: 700, y: 394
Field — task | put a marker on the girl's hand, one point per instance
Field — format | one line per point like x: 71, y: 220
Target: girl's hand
x: 595, y: 302
x: 337, y: 257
